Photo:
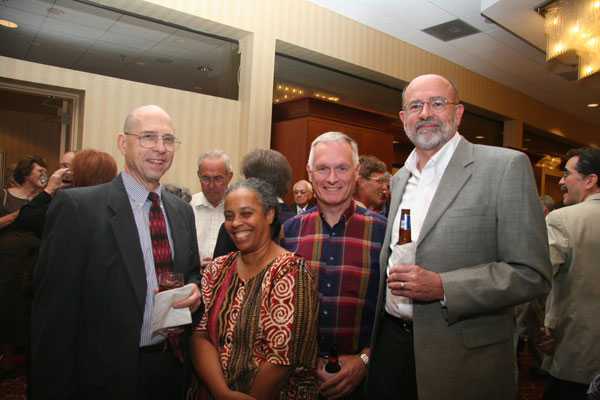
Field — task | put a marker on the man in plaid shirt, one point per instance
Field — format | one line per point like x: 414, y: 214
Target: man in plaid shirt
x: 341, y: 241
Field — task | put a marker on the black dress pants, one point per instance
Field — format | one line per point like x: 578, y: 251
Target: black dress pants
x: 161, y: 375
x: 392, y: 365
x: 557, y: 389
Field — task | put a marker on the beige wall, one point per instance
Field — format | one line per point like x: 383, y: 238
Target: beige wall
x: 201, y: 122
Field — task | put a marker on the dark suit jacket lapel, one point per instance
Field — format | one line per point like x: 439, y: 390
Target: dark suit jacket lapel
x: 177, y: 227
x: 456, y: 175
x: 127, y: 237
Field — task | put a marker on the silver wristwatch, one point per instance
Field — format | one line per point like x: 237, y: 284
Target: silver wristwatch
x: 364, y: 357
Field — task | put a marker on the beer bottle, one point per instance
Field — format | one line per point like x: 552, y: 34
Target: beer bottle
x: 333, y: 364
x: 405, y: 236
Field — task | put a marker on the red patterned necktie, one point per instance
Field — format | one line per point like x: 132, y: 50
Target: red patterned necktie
x: 163, y: 260
x: 161, y: 250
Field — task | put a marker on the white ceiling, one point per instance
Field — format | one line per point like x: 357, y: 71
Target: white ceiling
x: 496, y: 52
x: 79, y: 36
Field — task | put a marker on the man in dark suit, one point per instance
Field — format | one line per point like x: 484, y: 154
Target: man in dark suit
x: 444, y: 324
x: 96, y: 279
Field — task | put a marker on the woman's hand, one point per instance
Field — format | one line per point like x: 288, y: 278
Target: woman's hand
x: 56, y: 182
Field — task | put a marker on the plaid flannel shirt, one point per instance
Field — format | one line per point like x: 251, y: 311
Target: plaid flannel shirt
x: 345, y: 257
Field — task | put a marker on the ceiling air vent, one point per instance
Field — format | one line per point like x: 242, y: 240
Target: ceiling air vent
x: 451, y: 30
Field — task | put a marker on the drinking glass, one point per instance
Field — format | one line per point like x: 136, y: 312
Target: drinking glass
x: 169, y: 280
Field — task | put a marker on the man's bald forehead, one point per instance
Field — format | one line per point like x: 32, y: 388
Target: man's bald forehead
x: 432, y: 78
x: 134, y: 116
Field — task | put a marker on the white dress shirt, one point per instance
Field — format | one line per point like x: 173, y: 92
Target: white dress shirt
x: 208, y: 221
x: 417, y: 196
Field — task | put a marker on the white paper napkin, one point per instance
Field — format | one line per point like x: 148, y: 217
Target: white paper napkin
x: 164, y: 315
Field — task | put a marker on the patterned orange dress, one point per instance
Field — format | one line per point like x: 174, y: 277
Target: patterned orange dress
x: 271, y: 317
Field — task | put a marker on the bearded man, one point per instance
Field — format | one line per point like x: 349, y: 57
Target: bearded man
x: 444, y: 317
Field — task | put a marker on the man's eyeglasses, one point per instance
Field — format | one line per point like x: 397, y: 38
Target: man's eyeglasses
x: 381, y: 180
x: 437, y: 104
x: 217, y: 180
x: 149, y: 140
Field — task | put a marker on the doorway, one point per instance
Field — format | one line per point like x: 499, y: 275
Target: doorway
x: 36, y: 121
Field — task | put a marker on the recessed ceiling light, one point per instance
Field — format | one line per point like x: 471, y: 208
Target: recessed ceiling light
x: 593, y: 105
x: 479, y: 137
x: 8, y: 24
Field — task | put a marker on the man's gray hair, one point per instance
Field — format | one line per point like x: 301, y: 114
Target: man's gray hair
x: 216, y: 155
x: 182, y: 192
x: 305, y: 183
x: 548, y: 202
x: 329, y: 137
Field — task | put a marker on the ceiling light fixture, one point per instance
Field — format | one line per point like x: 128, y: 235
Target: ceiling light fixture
x: 204, y: 68
x: 593, y: 105
x: 574, y: 25
x: 8, y: 24
x: 479, y: 137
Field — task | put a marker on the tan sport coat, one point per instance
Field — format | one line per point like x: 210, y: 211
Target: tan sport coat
x: 485, y: 234
x: 574, y: 302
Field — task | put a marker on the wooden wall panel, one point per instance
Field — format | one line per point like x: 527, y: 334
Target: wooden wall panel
x: 370, y: 141
x: 24, y: 133
x: 291, y: 139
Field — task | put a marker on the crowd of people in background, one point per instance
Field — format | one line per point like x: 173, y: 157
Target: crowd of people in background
x: 276, y: 293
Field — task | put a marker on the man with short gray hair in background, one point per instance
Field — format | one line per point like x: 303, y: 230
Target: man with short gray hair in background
x: 214, y: 173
